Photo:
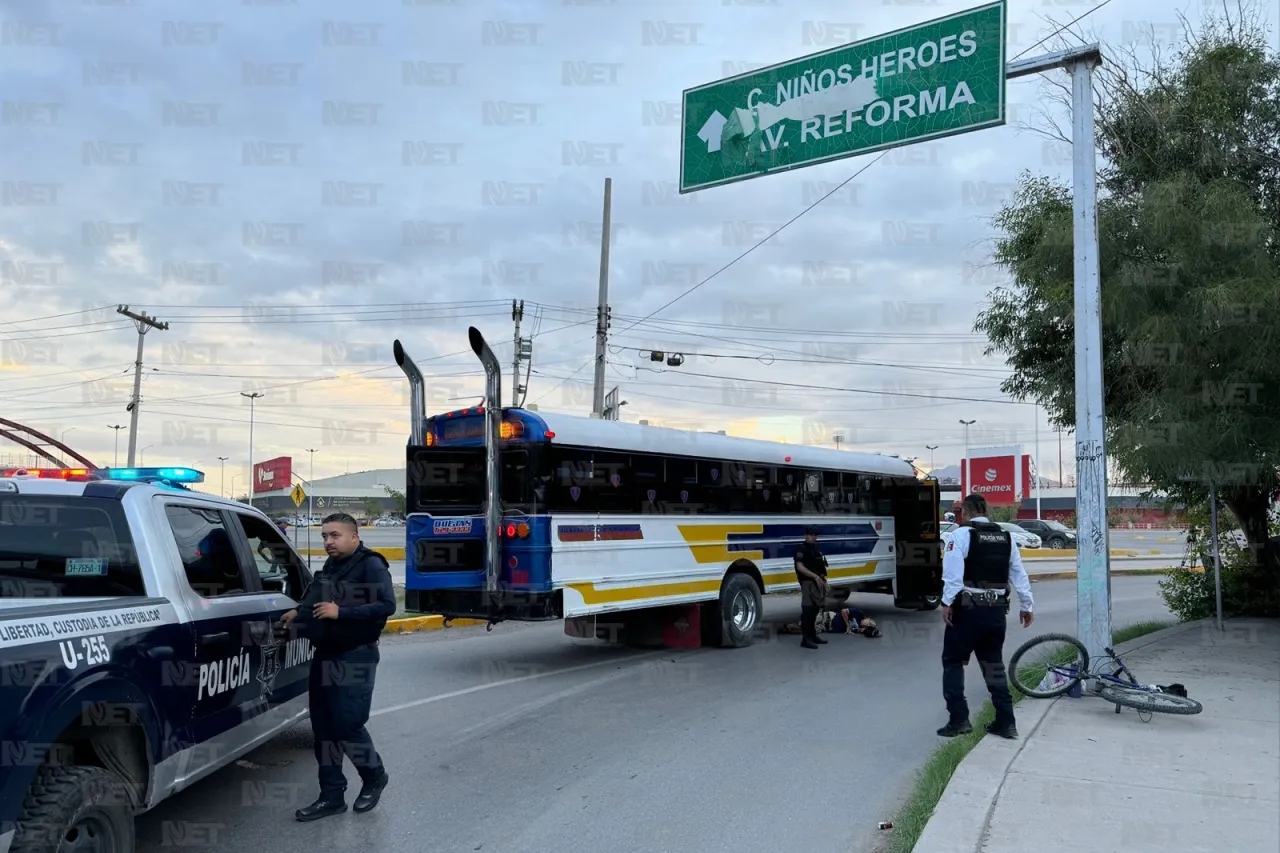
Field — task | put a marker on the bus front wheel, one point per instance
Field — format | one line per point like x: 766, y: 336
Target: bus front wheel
x: 732, y: 620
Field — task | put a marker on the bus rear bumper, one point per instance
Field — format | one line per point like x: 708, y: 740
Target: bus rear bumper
x: 513, y: 606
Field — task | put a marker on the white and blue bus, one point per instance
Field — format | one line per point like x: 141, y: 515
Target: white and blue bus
x: 608, y: 525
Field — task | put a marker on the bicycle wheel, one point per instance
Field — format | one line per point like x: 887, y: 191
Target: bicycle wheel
x: 1146, y: 700
x: 1053, y: 671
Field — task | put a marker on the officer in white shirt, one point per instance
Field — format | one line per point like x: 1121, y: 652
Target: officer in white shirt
x: 978, y: 566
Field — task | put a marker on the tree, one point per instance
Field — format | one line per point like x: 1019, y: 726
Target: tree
x: 1189, y: 248
x: 397, y: 499
x: 372, y: 507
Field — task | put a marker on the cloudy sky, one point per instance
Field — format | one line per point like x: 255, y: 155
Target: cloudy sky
x: 291, y: 185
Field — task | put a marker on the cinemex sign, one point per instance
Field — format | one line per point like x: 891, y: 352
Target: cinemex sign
x: 272, y: 474
x: 1000, y: 474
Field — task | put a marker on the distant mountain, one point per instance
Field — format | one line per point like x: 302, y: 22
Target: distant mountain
x: 950, y: 475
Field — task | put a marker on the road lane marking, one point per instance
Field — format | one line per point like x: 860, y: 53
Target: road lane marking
x: 453, y: 694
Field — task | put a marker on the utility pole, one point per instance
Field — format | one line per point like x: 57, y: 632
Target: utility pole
x: 115, y: 460
x: 838, y: 438
x: 931, y: 448
x: 222, y: 468
x: 523, y: 351
x: 144, y: 324
x: 255, y: 395
x: 602, y: 303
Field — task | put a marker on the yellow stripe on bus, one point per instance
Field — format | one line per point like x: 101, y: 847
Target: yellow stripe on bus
x: 592, y: 594
x: 832, y: 574
x: 710, y: 542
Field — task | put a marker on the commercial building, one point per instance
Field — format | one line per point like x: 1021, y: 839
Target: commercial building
x: 358, y: 493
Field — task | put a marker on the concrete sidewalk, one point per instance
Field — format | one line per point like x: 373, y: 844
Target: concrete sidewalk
x: 1083, y: 777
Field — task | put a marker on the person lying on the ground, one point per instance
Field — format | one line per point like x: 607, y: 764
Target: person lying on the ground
x: 850, y: 620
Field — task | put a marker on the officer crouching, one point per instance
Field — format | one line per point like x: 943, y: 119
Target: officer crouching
x: 978, y: 566
x: 343, y: 613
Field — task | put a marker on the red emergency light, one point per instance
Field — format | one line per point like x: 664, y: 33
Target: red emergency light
x: 47, y: 473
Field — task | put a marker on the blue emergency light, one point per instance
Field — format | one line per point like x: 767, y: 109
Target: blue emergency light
x: 171, y: 475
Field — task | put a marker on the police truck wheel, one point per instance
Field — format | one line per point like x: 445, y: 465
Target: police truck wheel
x: 75, y: 810
x: 739, y: 611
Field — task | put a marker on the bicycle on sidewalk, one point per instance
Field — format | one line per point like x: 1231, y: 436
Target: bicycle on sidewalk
x: 1055, y: 671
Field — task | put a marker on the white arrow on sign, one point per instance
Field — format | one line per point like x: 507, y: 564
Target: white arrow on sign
x: 710, y: 132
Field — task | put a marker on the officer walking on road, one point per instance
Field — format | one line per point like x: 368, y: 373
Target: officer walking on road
x: 811, y: 570
x: 977, y: 568
x: 343, y: 613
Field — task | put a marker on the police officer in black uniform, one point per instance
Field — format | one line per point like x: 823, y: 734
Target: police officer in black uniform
x: 978, y: 566
x: 343, y: 613
x: 811, y: 570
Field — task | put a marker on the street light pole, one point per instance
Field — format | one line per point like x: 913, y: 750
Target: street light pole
x: 255, y: 395
x: 931, y: 448
x: 966, y: 478
x: 311, y: 507
x: 222, y: 469
x: 115, y: 460
x: 1036, y: 472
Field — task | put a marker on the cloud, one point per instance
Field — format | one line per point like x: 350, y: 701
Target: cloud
x: 293, y: 186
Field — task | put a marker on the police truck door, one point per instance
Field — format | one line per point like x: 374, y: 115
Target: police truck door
x: 283, y: 578
x: 224, y: 679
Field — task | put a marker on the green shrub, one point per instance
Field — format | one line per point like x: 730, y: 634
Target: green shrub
x: 1248, y: 589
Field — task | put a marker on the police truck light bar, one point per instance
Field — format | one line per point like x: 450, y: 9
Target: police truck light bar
x: 171, y: 475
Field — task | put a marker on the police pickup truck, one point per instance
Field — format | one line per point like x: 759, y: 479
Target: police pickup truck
x: 140, y: 647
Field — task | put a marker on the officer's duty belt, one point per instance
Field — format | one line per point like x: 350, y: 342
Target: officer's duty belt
x: 984, y: 597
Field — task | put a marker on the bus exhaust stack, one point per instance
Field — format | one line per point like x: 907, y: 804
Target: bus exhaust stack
x: 492, y: 435
x: 417, y: 395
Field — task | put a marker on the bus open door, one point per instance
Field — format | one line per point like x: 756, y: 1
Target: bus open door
x: 919, y: 579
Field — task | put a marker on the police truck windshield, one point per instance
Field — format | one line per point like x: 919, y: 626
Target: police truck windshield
x: 66, y: 547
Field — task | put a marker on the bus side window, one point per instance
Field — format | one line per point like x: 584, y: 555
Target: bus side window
x: 713, y: 486
x: 789, y: 485
x: 832, y: 501
x: 570, y: 486
x: 649, y: 472
x: 613, y: 482
x: 763, y: 497
x: 680, y: 493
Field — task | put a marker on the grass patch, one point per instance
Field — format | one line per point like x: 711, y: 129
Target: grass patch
x: 936, y: 774
x: 1138, y: 629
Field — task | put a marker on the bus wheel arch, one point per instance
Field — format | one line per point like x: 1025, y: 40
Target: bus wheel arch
x: 732, y: 619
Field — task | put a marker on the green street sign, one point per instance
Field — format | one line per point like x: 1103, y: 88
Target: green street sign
x: 931, y: 80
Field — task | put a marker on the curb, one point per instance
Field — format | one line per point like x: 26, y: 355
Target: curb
x: 414, y: 624
x: 1071, y: 552
x: 1058, y: 576
x: 392, y: 554
x: 961, y: 818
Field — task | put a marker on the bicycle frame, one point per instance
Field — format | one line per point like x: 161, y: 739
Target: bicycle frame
x: 1093, y: 672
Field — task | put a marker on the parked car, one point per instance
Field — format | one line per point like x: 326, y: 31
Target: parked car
x: 1021, y: 538
x: 1054, y: 534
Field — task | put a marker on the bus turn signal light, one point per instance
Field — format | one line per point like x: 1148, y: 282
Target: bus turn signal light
x: 524, y: 531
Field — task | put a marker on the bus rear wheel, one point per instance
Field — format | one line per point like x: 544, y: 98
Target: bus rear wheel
x: 732, y: 620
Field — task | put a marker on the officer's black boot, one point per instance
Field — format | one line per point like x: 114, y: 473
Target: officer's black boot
x: 954, y: 729
x: 323, y: 807
x: 370, y: 793
x: 1008, y: 732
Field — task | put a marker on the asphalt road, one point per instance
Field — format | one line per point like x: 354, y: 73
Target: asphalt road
x: 526, y: 740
